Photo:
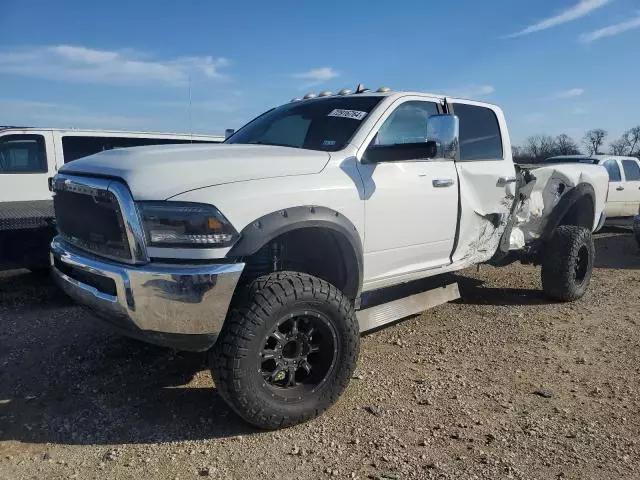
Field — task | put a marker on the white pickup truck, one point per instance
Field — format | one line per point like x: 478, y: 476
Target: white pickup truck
x: 29, y: 157
x: 263, y: 250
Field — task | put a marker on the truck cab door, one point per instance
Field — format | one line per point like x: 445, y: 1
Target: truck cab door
x: 631, y: 169
x: 615, y: 206
x: 411, y: 202
x: 487, y: 179
x: 27, y: 160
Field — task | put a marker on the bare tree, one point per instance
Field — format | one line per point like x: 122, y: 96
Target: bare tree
x: 565, y: 145
x: 516, y: 151
x: 594, y: 139
x: 539, y: 147
x: 532, y: 146
x: 619, y: 147
x: 520, y: 155
x: 632, y: 137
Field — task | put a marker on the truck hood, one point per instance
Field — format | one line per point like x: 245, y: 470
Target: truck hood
x: 163, y: 171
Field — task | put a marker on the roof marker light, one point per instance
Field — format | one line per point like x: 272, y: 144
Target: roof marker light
x: 325, y: 93
x: 309, y: 95
x: 344, y: 91
x: 383, y: 90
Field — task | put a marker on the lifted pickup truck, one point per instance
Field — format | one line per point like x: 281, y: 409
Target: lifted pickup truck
x: 263, y: 249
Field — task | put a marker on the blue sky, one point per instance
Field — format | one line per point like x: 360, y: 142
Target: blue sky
x: 553, y: 65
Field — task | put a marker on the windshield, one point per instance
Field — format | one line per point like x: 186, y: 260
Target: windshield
x: 325, y: 124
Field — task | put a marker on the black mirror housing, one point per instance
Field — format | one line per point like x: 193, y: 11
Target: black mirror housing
x: 400, y: 151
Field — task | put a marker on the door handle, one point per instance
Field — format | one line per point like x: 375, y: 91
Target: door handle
x: 620, y: 189
x: 504, y: 181
x: 442, y: 182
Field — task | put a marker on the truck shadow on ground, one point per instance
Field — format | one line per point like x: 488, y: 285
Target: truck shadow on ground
x: 617, y: 248
x: 21, y: 288
x: 63, y: 379
x: 122, y: 392
x: 473, y: 292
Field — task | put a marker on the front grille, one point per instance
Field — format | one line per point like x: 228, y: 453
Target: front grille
x: 92, y: 220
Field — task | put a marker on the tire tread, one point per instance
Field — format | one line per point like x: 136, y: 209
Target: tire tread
x: 560, y: 257
x: 262, y: 295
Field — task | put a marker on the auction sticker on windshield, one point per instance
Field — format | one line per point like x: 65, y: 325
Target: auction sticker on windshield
x: 354, y: 114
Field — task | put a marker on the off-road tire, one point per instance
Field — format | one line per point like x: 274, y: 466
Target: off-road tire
x: 234, y: 357
x: 568, y: 263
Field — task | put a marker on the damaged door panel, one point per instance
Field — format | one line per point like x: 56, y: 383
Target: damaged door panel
x: 487, y: 193
x: 487, y: 177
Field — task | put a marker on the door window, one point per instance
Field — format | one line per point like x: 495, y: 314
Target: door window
x: 614, y: 170
x: 22, y: 154
x: 407, y: 124
x: 631, y: 170
x: 480, y: 137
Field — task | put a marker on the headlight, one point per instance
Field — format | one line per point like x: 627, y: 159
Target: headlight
x: 184, y: 224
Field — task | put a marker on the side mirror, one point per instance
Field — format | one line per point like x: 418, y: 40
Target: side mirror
x: 228, y: 132
x: 444, y: 131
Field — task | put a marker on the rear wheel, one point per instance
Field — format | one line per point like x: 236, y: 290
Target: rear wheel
x: 568, y: 263
x: 287, y: 353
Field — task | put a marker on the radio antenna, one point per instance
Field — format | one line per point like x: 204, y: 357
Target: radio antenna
x: 190, y: 123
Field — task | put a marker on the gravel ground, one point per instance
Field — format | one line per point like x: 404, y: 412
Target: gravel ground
x: 502, y: 384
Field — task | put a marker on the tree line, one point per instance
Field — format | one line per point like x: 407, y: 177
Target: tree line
x: 538, y: 147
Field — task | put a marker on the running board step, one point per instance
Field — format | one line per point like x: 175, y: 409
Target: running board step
x: 380, y: 315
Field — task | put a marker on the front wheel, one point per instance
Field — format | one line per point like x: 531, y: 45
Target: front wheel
x: 287, y: 353
x: 568, y: 263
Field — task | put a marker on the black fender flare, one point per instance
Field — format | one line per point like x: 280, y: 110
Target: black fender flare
x: 565, y: 204
x: 272, y: 225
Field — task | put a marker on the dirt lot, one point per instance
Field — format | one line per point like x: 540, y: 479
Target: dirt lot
x: 503, y: 384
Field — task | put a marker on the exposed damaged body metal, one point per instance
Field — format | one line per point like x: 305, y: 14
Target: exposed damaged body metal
x: 554, y: 195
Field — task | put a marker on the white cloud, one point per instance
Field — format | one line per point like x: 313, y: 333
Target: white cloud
x: 485, y: 90
x: 225, y: 106
x: 471, y: 91
x: 34, y: 113
x: 535, y: 117
x: 571, y: 93
x: 80, y: 64
x: 611, y: 30
x: 581, y: 9
x: 316, y: 76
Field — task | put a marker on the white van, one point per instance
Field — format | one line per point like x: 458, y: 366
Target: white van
x: 624, y: 182
x: 28, y: 158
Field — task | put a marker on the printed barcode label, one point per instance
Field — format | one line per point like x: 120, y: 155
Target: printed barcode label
x: 353, y: 114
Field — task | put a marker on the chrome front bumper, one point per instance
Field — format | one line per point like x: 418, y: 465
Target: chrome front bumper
x: 178, y: 306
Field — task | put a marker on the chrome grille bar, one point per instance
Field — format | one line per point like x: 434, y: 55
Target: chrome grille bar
x: 129, y: 219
